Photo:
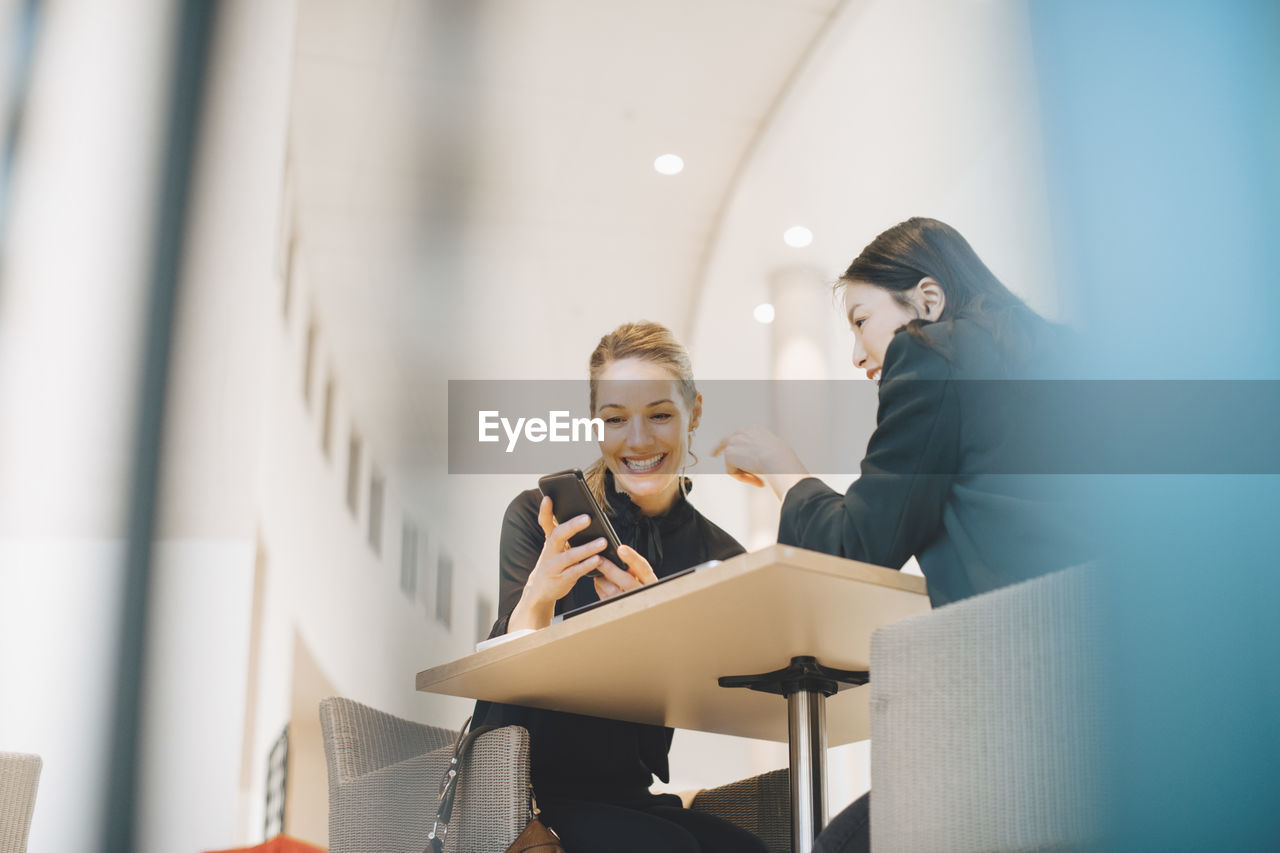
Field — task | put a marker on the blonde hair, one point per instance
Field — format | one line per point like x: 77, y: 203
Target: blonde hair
x: 651, y: 342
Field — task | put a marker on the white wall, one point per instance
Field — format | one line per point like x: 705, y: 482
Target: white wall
x: 58, y: 634
x: 72, y: 294
x: 244, y: 469
x: 907, y: 108
x: 198, y: 636
x: 193, y: 712
x: 75, y: 268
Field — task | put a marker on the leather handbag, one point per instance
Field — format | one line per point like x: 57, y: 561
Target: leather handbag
x: 536, y: 837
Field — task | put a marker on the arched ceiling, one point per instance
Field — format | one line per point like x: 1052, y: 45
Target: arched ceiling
x: 475, y: 197
x: 473, y: 182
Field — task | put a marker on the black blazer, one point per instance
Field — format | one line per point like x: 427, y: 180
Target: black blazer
x: 951, y: 473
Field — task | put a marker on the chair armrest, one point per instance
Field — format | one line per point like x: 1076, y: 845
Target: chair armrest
x: 394, y: 808
x: 759, y: 804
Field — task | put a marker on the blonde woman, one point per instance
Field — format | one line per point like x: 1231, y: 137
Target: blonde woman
x: 592, y: 775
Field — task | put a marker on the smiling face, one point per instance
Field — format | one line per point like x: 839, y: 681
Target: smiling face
x: 646, y: 430
x: 876, y: 314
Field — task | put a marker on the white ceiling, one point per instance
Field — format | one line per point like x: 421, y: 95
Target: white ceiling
x: 474, y: 181
x: 475, y: 194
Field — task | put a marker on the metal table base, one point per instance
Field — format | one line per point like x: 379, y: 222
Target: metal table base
x: 805, y: 684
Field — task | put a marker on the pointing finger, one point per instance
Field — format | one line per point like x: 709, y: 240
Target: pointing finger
x: 746, y: 477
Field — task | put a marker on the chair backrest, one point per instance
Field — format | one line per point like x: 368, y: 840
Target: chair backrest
x: 384, y: 782
x: 760, y: 804
x: 359, y: 739
x: 19, y: 777
x: 985, y: 722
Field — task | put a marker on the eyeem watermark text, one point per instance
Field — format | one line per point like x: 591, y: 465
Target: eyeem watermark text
x: 558, y: 427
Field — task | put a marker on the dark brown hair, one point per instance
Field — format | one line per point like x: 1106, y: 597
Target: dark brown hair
x: 909, y: 251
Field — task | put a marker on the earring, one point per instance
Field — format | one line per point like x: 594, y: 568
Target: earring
x: 684, y: 464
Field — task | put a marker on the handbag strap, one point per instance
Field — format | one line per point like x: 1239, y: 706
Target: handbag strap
x: 449, y: 784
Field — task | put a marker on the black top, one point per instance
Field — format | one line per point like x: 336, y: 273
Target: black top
x: 945, y: 477
x: 590, y: 757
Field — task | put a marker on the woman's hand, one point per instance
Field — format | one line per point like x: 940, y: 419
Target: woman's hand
x: 558, y: 568
x: 615, y: 580
x: 756, y: 456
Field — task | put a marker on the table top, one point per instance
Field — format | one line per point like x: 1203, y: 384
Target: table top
x: 655, y: 656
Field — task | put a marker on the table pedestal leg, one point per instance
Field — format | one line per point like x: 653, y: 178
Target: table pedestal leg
x: 807, y: 738
x: 806, y: 684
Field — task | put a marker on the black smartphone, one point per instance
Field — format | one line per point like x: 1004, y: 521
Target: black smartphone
x: 571, y: 498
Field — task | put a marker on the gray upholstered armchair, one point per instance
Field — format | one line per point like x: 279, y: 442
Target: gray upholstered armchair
x: 384, y: 779
x: 19, y: 777
x: 984, y: 722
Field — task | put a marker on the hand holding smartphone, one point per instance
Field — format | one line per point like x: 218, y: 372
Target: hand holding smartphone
x: 570, y: 497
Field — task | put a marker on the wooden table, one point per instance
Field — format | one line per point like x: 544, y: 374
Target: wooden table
x: 658, y: 656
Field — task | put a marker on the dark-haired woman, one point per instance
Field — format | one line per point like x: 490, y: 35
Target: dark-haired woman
x: 950, y: 472
x: 592, y: 775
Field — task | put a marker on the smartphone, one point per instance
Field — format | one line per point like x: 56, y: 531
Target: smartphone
x: 571, y: 498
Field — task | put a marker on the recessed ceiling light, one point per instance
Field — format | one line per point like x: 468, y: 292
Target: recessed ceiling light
x: 797, y: 236
x: 763, y: 313
x: 669, y: 164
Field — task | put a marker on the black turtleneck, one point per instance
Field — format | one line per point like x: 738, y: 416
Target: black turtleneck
x: 589, y: 757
